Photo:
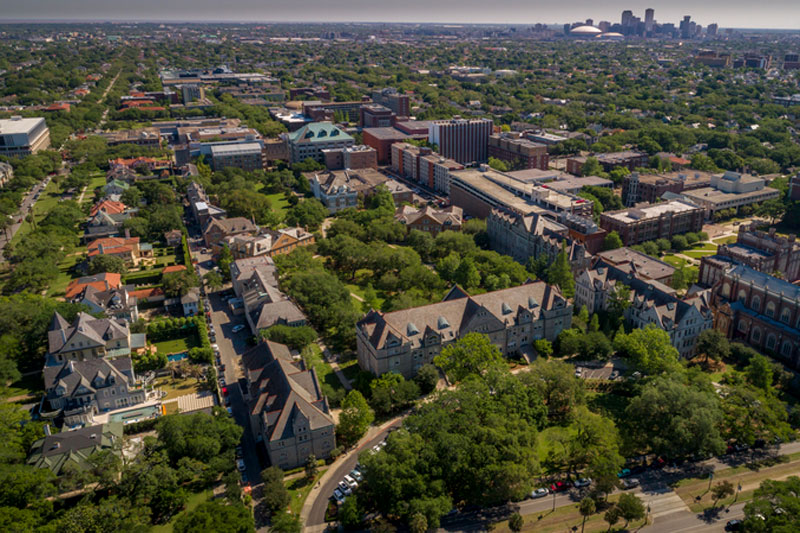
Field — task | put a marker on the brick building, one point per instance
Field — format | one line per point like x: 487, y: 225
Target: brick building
x: 466, y: 141
x: 376, y: 116
x: 518, y: 152
x: 382, y: 139
x: 650, y: 188
x: 636, y: 225
x: 630, y: 160
x: 423, y: 165
x: 397, y: 102
x: 353, y: 157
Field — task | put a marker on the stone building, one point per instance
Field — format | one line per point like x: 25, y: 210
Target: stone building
x: 403, y: 341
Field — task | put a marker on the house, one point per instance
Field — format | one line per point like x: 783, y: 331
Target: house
x: 403, y: 341
x: 173, y: 237
x: 190, y: 302
x: 108, y: 206
x: 107, y: 221
x: 115, y: 188
x: 89, y: 338
x: 243, y: 270
x: 114, y: 303
x: 72, y: 450
x: 101, y: 282
x: 340, y: 189
x: 127, y: 248
x: 287, y: 409
x: 121, y: 173
x: 80, y: 390
x: 651, y: 303
x: 269, y: 242
x: 430, y: 219
x: 639, y: 264
x: 218, y: 230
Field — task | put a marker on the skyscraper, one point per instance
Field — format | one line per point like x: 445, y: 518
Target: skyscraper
x: 649, y: 19
x: 627, y: 15
x: 466, y: 141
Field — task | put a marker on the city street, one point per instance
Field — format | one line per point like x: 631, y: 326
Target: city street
x: 24, y: 209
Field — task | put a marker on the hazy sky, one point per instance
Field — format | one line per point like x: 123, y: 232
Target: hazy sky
x: 727, y: 13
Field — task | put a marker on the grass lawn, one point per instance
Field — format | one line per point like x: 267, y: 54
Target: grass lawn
x: 697, y: 254
x: 325, y: 373
x: 177, y: 387
x: 27, y: 386
x: 97, y: 182
x: 704, y: 246
x: 298, y: 491
x: 726, y: 240
x: 192, y: 502
x: 178, y: 345
x: 568, y: 518
x: 674, y: 260
x: 279, y: 203
x: 355, y: 289
x: 48, y: 199
x: 59, y: 285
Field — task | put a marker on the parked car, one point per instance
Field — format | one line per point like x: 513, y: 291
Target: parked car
x: 338, y: 496
x: 347, y: 491
x: 240, y: 465
x: 239, y: 452
x: 351, y: 482
x: 237, y: 328
x: 559, y: 486
x: 625, y: 472
x: 734, y: 525
x: 356, y: 475
x: 540, y: 493
x: 230, y: 410
x: 221, y: 381
x: 583, y: 482
x: 224, y: 391
x: 215, y: 347
x: 629, y: 483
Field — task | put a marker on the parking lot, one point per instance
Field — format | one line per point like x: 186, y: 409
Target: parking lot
x: 611, y: 370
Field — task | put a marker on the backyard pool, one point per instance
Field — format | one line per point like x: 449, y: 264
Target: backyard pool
x: 177, y: 357
x: 135, y: 415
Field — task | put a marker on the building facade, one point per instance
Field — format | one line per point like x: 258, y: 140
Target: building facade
x: 519, y: 152
x: 311, y: 139
x: 465, y: 141
x: 403, y: 341
x: 23, y: 136
x: 647, y: 223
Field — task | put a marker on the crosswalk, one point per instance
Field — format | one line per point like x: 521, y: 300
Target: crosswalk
x: 663, y: 504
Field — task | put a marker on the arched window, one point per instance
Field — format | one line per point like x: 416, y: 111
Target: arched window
x: 771, y: 341
x: 742, y: 297
x: 726, y: 290
x: 756, y: 335
x: 770, y: 310
x: 755, y: 303
x: 786, y: 315
x: 786, y: 348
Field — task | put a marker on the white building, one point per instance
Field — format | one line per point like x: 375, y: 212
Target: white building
x: 23, y: 136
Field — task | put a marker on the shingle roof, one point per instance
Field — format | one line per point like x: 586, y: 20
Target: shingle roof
x: 97, y: 330
x: 55, y: 451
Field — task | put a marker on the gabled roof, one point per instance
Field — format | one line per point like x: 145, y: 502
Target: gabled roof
x: 229, y: 226
x: 108, y: 206
x: 104, y: 281
x: 75, y: 447
x: 282, y: 391
x: 85, y: 329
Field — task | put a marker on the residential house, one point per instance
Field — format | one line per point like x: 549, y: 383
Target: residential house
x: 269, y: 242
x: 72, y: 450
x: 218, y: 230
x: 90, y: 338
x: 340, y: 189
x: 113, y: 303
x: 101, y: 282
x: 127, y: 248
x: 403, y: 341
x: 288, y: 411
x: 173, y: 237
x: 430, y: 219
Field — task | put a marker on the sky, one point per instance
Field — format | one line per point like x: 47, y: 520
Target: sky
x: 784, y: 14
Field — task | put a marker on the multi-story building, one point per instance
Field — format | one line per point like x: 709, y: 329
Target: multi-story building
x: 325, y: 111
x: 309, y: 141
x: 398, y: 103
x: 376, y: 116
x: 712, y: 58
x: 339, y: 189
x: 112, y: 302
x: 218, y: 230
x: 268, y: 242
x: 246, y: 156
x: 71, y: 451
x: 731, y: 190
x: 651, y: 303
x: 403, y: 341
x: 429, y: 219
x: 287, y: 409
x: 647, y: 223
x: 23, y: 136
x: 630, y: 160
x: 191, y: 92
x: 150, y: 137
x: 637, y: 188
x: 90, y: 338
x: 423, y: 165
x: 127, y: 248
x: 352, y: 157
x: 466, y: 141
x: 534, y: 235
x: 761, y: 310
x: 518, y: 151
x: 640, y: 265
x: 382, y: 140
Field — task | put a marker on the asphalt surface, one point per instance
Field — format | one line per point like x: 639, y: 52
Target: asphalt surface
x: 335, y: 475
x: 24, y: 209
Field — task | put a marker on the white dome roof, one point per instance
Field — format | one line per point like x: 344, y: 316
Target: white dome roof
x: 611, y: 35
x: 585, y: 30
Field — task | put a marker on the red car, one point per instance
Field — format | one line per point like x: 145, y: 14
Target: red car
x: 559, y: 486
x: 224, y: 391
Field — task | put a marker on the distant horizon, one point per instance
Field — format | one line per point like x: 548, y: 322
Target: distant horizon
x: 734, y: 14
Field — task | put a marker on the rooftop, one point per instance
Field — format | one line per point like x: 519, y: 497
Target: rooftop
x: 636, y: 214
x: 17, y: 125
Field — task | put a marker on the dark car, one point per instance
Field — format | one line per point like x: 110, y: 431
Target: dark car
x: 734, y: 525
x: 559, y: 486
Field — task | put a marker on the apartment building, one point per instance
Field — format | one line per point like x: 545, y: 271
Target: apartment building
x: 398, y: 103
x: 352, y: 157
x: 636, y: 225
x: 403, y: 341
x: 465, y: 141
x: 23, y: 136
x: 423, y: 165
x: 376, y: 116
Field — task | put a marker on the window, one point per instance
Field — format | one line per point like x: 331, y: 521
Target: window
x: 770, y: 311
x: 742, y: 297
x: 742, y: 326
x: 786, y: 348
x: 755, y: 303
x: 770, y: 341
x: 756, y: 335
x: 786, y: 315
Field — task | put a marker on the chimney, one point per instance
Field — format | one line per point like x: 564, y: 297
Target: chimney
x: 100, y: 248
x: 127, y: 233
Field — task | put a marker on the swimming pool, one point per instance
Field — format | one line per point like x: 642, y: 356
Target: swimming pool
x: 177, y: 357
x: 135, y: 415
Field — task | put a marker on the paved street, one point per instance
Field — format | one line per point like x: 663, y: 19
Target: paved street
x: 24, y: 209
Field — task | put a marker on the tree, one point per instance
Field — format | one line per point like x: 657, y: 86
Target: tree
x: 276, y: 497
x: 286, y: 523
x: 612, y: 516
x: 759, y: 372
x: 679, y: 243
x: 224, y: 262
x: 309, y: 213
x: 311, y: 467
x: 721, y: 491
x: 213, y: 280
x: 216, y: 516
x: 591, y: 167
x: 630, y: 507
x: 498, y: 164
x: 774, y: 208
x: 472, y: 354
x: 350, y: 513
x: 650, y: 350
x: 179, y: 283
x: 107, y: 263
x: 559, y: 273
x: 612, y: 241
x: 543, y: 347
x: 355, y: 418
x: 516, y: 522
x: 298, y: 337
x: 774, y: 507
x: 391, y: 392
x: 713, y: 344
x: 467, y: 274
x: 418, y: 523
x: 587, y: 508
x: 556, y: 385
x: 594, y: 324
x: 427, y: 378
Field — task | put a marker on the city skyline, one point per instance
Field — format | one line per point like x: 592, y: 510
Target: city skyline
x: 737, y: 14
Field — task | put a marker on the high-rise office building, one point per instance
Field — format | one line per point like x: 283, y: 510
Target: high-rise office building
x: 649, y: 19
x: 466, y: 141
x: 627, y: 15
x: 712, y: 30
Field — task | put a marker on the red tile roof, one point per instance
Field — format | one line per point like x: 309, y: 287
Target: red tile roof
x: 108, y: 206
x: 101, y: 282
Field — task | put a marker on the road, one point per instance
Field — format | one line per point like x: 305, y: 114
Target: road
x: 24, y: 209
x: 315, y: 521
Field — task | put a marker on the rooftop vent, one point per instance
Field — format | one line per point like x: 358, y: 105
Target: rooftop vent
x: 506, y: 308
x: 411, y: 329
x: 532, y: 302
x: 443, y: 323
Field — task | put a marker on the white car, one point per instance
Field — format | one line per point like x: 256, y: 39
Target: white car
x: 215, y: 347
x: 583, y: 482
x: 352, y: 483
x: 238, y: 328
x: 240, y: 465
x: 540, y: 493
x: 347, y: 491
